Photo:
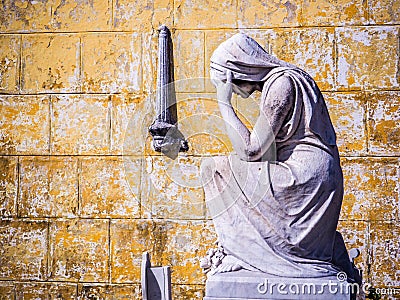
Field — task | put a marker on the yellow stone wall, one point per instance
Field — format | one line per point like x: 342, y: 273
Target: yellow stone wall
x: 82, y: 194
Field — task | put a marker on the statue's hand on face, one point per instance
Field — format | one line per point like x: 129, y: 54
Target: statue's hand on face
x: 224, y: 89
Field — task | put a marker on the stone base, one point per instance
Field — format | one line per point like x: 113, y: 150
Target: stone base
x: 244, y: 285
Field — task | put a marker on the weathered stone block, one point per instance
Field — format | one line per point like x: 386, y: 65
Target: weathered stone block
x: 129, y: 239
x: 7, y: 290
x: 334, y: 12
x: 24, y: 125
x: 23, y: 251
x: 149, y: 59
x: 205, y: 14
x: 384, y: 11
x: 79, y: 250
x: 370, y: 189
x: 80, y: 124
x: 186, y: 242
x: 25, y: 16
x: 109, y: 292
x: 36, y: 290
x: 8, y: 185
x: 189, y: 64
x: 201, y: 123
x: 384, y: 123
x: 81, y: 15
x: 348, y: 113
x: 110, y: 187
x: 385, y: 270
x: 367, y: 57
x: 131, y: 117
x: 48, y: 187
x: 184, y: 292
x: 310, y: 49
x: 142, y: 15
x: 9, y: 63
x: 111, y: 62
x: 172, y: 188
x: 50, y: 63
x: 277, y: 13
x: 176, y: 244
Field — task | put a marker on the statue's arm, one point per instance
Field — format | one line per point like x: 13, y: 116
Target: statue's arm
x: 276, y: 104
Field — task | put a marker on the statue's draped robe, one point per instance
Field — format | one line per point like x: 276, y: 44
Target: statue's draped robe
x: 279, y: 217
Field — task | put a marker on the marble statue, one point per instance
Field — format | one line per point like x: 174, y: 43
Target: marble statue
x: 275, y: 202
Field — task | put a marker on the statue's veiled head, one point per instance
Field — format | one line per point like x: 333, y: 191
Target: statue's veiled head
x: 248, y: 63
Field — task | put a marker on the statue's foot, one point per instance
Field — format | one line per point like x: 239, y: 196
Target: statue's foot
x: 228, y: 264
x: 217, y: 261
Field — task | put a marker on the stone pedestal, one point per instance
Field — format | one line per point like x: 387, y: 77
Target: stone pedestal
x: 241, y: 285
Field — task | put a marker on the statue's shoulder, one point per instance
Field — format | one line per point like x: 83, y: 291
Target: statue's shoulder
x: 279, y: 86
x: 284, y: 81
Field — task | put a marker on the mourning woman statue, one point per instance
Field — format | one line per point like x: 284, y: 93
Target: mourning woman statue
x: 275, y: 203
